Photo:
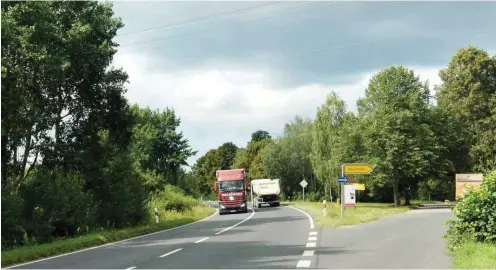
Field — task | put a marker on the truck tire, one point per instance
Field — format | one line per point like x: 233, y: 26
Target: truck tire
x: 221, y: 213
x: 259, y: 205
x: 277, y: 204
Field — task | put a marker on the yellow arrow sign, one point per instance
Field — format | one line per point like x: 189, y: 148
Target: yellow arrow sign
x: 358, y: 168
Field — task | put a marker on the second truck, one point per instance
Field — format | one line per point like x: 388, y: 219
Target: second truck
x: 265, y: 191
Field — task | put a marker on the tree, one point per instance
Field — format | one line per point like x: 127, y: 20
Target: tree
x: 249, y: 158
x: 396, y: 130
x: 326, y: 156
x: 288, y: 158
x: 227, y: 152
x: 468, y: 96
x: 58, y: 91
x: 205, y: 168
x: 260, y: 135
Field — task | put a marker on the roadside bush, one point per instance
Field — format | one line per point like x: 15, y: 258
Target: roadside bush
x: 172, y: 198
x: 476, y: 214
x: 55, y: 205
x: 12, y: 221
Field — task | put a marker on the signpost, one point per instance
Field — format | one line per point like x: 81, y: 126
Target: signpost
x: 352, y: 168
x: 303, y: 184
x: 466, y: 181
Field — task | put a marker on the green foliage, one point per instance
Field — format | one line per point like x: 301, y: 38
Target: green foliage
x: 260, y: 135
x: 476, y: 215
x: 468, y: 95
x: 171, y: 198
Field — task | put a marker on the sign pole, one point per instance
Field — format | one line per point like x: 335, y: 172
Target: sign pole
x: 342, y: 192
x: 303, y: 193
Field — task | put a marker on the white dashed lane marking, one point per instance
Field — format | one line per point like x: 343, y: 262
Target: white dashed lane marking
x: 201, y: 240
x: 311, y: 244
x: 303, y: 264
x: 308, y: 253
x: 312, y: 238
x: 131, y: 268
x: 312, y: 233
x: 172, y: 252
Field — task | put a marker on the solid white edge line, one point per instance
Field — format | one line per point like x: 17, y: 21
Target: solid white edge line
x: 226, y: 229
x: 131, y: 268
x: 111, y: 243
x: 312, y: 225
x: 169, y: 253
x: 304, y: 263
x: 201, y: 240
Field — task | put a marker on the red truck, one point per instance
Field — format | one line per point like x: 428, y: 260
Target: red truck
x: 231, y: 186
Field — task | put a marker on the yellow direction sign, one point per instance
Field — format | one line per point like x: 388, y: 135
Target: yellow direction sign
x: 359, y: 186
x: 358, y: 168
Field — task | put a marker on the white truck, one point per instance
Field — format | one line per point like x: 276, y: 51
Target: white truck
x: 265, y: 191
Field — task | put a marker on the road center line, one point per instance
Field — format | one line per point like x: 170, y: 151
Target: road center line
x: 172, y: 252
x: 312, y: 238
x: 307, y: 253
x: 131, y: 268
x: 201, y: 240
x: 226, y: 229
x: 304, y: 263
x: 312, y: 225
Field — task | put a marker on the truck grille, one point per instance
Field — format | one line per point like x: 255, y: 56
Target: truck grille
x: 229, y: 203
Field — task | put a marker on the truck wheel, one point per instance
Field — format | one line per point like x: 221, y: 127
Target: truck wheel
x: 259, y: 205
x: 221, y: 213
x: 277, y: 204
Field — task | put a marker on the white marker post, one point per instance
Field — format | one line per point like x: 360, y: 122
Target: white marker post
x: 156, y: 215
x: 324, y: 208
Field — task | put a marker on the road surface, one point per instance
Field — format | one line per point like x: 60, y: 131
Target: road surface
x: 280, y: 237
x: 409, y: 240
x: 262, y: 238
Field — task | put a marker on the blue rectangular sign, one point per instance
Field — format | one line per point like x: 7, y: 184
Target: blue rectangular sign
x: 342, y: 180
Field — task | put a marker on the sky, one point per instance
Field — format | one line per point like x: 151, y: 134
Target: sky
x: 231, y: 68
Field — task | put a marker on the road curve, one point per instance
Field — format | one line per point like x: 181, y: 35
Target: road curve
x: 262, y: 238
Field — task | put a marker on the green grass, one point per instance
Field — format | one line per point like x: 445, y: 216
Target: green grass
x: 364, y: 212
x: 168, y: 220
x: 473, y: 255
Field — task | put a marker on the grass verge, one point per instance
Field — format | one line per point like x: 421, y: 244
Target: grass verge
x: 169, y: 220
x: 364, y: 212
x: 472, y: 255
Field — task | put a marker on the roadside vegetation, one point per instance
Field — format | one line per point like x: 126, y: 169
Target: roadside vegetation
x: 364, y: 212
x: 81, y: 164
x: 472, y: 236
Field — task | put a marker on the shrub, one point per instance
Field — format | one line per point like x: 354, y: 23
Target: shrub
x: 172, y: 198
x: 476, y: 213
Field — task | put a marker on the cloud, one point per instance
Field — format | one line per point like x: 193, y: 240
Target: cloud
x: 216, y: 106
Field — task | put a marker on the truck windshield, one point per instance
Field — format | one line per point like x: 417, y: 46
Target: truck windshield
x: 231, y: 185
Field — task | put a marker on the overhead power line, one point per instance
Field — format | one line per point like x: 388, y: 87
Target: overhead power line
x: 216, y: 29
x: 198, y: 20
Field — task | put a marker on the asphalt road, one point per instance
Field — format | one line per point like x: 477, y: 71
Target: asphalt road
x: 280, y: 237
x: 409, y: 240
x: 262, y: 238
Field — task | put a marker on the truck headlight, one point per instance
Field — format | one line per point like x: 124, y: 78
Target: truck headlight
x: 221, y: 205
x: 243, y: 205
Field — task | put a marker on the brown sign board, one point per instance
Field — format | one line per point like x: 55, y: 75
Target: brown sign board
x: 467, y: 180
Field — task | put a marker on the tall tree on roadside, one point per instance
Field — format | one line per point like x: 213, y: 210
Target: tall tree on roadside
x: 326, y: 156
x: 204, y: 169
x: 250, y: 157
x: 260, y: 135
x: 468, y: 96
x: 396, y: 130
x: 227, y: 152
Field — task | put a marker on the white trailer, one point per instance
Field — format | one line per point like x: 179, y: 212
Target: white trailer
x: 265, y: 191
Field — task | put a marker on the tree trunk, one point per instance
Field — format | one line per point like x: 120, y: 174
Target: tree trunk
x: 5, y: 160
x: 396, y: 194
x: 406, y: 194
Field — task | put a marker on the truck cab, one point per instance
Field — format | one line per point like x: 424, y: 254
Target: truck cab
x: 231, y: 186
